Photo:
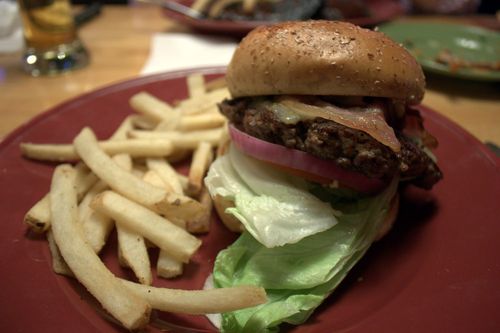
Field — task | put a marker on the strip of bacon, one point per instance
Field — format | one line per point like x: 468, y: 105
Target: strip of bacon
x: 367, y: 119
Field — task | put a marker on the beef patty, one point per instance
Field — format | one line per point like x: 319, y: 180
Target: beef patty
x: 349, y: 148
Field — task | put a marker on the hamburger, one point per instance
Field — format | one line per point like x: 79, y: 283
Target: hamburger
x: 322, y: 137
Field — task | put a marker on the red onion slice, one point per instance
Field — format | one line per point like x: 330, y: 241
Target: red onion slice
x: 299, y: 160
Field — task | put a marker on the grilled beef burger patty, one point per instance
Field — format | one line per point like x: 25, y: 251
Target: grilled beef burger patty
x: 349, y: 148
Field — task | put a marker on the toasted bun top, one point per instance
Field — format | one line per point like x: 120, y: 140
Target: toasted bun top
x: 323, y: 58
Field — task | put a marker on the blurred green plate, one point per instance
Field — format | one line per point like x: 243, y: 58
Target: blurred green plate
x: 426, y: 40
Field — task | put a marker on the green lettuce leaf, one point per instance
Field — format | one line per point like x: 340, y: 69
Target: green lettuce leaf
x: 299, y: 276
x: 274, y: 208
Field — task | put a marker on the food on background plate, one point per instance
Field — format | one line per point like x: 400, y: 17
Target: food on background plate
x: 129, y: 185
x: 282, y: 10
x: 344, y: 9
x: 257, y: 10
x: 455, y: 63
x: 322, y: 137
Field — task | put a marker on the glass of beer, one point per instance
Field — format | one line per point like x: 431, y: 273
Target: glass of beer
x: 52, y: 43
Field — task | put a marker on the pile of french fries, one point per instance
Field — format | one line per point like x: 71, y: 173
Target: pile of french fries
x: 127, y: 183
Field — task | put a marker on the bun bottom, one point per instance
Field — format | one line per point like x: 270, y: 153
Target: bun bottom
x: 390, y: 218
x: 233, y: 224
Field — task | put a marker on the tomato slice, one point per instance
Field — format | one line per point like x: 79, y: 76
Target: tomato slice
x: 303, y: 164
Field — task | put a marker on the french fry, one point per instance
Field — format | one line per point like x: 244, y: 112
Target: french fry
x: 152, y: 178
x: 176, y: 241
x: 144, y: 122
x: 202, y: 224
x: 196, y: 85
x: 116, y: 177
x: 180, y: 207
x: 201, y: 121
x: 132, y: 252
x: 199, y: 301
x: 96, y: 227
x: 164, y: 175
x: 121, y: 132
x: 132, y: 187
x: 203, y: 103
x: 67, y: 152
x: 181, y: 140
x: 167, y: 174
x: 202, y: 158
x: 215, y: 84
x: 38, y: 217
x: 167, y: 267
x: 58, y: 264
x: 184, y: 182
x: 225, y: 140
x: 152, y: 107
x: 128, y: 308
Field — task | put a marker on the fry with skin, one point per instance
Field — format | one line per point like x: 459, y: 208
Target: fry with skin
x: 199, y: 301
x: 128, y: 308
x: 176, y: 241
x: 67, y: 152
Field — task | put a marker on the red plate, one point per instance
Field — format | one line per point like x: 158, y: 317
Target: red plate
x: 437, y: 271
x: 381, y: 11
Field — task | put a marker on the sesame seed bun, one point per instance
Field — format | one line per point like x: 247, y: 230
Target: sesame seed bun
x: 323, y: 58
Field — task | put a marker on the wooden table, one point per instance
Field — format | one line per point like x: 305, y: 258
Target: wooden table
x: 119, y: 39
